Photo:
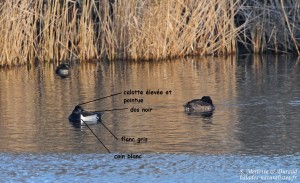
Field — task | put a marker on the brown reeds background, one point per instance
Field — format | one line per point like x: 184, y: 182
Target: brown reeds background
x: 59, y: 30
x: 270, y: 25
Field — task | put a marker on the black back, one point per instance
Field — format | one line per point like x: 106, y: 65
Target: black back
x: 62, y: 66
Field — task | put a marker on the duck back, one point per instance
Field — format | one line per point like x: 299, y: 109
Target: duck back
x: 198, y: 105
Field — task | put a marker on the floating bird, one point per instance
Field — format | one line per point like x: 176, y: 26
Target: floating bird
x: 62, y: 70
x: 203, y: 105
x: 79, y: 115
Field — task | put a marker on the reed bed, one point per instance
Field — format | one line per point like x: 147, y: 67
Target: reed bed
x: 66, y: 30
x: 270, y: 25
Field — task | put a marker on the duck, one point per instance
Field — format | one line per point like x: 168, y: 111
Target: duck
x: 62, y: 70
x: 79, y: 115
x: 203, y: 105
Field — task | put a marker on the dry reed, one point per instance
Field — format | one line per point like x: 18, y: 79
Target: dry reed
x: 270, y: 25
x: 57, y: 30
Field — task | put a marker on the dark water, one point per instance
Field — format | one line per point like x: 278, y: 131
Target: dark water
x: 255, y: 124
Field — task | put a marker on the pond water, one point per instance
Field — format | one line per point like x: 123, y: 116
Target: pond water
x: 255, y: 126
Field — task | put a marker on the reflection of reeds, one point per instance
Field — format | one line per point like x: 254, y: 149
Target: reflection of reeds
x: 137, y: 29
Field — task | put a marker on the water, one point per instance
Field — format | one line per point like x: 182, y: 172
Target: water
x: 255, y: 125
x: 153, y: 167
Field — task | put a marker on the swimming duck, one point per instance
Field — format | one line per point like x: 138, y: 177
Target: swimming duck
x: 79, y: 115
x: 203, y: 105
x: 62, y: 70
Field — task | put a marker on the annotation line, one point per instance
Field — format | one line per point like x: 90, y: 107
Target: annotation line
x: 99, y: 98
x: 112, y: 110
x: 95, y: 136
x: 109, y: 131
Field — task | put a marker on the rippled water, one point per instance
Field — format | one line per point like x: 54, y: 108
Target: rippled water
x: 255, y: 124
x: 151, y: 168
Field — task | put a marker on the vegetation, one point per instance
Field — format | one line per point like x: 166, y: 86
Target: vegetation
x: 270, y: 25
x: 60, y: 30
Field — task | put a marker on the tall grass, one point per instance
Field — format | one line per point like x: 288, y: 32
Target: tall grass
x: 270, y: 25
x: 61, y: 30
x: 162, y: 29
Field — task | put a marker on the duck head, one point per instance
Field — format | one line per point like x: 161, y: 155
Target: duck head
x: 207, y: 99
x: 78, y: 109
